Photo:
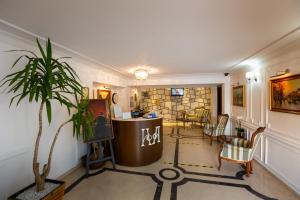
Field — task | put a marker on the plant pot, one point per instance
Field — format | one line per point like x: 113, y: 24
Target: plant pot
x: 56, y: 194
x: 240, y: 134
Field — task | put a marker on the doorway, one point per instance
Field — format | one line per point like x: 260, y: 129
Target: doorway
x: 219, y: 100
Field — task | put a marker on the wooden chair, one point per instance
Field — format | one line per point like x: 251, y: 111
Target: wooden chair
x: 241, y: 150
x: 205, y: 117
x: 215, y: 130
x: 201, y: 116
x: 193, y: 117
x: 181, y: 117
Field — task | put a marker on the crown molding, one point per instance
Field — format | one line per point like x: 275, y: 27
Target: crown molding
x: 24, y: 34
x: 267, y: 47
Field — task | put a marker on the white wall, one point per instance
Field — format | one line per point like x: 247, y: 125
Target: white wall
x: 18, y: 126
x: 279, y: 151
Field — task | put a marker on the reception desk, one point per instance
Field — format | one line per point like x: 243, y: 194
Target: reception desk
x: 137, y: 141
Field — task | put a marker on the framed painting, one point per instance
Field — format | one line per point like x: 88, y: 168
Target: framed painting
x: 238, y: 95
x: 285, y: 94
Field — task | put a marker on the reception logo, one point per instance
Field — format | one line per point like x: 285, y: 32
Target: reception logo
x: 151, y: 139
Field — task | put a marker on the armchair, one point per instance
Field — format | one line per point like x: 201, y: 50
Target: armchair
x: 241, y: 150
x: 201, y: 116
x: 215, y: 130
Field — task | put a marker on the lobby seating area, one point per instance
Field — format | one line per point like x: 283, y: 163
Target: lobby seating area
x: 201, y: 117
x: 139, y: 99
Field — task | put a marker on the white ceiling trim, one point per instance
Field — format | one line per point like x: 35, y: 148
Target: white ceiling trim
x: 33, y: 36
x: 271, y: 44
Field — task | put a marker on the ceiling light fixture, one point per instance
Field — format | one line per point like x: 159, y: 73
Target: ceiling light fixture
x: 141, y: 74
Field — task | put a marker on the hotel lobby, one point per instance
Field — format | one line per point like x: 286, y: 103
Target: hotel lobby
x: 139, y: 100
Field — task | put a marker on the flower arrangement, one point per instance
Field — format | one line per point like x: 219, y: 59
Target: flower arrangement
x: 240, y: 130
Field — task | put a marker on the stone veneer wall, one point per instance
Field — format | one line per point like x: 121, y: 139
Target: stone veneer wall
x: 160, y: 100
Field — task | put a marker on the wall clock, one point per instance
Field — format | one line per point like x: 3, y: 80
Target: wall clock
x: 115, y: 98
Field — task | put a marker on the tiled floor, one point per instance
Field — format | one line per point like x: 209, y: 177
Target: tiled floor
x: 191, y: 163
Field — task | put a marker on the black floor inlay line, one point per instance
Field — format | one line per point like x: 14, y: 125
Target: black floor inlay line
x: 175, y: 165
x: 174, y: 186
x: 239, y: 176
x: 159, y: 183
x: 247, y: 187
x: 68, y: 189
x: 159, y: 188
x: 161, y: 174
x: 176, y: 153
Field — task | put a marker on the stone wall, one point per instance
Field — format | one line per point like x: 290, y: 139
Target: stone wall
x: 161, y: 101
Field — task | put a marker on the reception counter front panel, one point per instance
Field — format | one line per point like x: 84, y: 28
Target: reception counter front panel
x: 137, y: 142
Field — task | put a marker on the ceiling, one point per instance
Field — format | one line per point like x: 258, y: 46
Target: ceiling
x: 170, y: 36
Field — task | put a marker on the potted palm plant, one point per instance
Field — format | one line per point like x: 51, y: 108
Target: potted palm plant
x: 44, y: 80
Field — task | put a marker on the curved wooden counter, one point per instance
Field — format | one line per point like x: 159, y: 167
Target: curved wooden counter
x: 137, y: 142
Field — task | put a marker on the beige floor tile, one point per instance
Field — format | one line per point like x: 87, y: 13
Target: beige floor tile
x: 195, y: 154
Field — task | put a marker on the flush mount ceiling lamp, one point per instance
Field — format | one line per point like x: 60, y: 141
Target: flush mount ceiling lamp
x: 250, y: 76
x: 141, y: 74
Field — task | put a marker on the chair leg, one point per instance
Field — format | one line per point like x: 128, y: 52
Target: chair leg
x: 112, y: 154
x: 220, y: 162
x: 251, y: 167
x: 247, y: 169
x: 211, y: 140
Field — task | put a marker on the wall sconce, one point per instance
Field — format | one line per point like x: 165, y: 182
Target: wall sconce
x: 251, y: 76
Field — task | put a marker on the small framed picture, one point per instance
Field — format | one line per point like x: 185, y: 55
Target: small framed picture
x: 85, y: 93
x: 285, y: 94
x: 238, y: 95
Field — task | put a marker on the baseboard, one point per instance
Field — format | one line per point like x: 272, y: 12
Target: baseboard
x: 69, y: 171
x: 279, y: 177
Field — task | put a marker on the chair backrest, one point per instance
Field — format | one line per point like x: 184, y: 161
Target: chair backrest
x: 255, y: 140
x: 199, y: 111
x: 256, y: 137
x: 181, y: 114
x: 222, y: 121
x: 204, y: 118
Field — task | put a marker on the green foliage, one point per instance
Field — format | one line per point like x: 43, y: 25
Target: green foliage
x: 83, y: 121
x: 46, y: 79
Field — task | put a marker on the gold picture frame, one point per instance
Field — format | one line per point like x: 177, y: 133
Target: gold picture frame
x: 238, y: 96
x: 285, y: 94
